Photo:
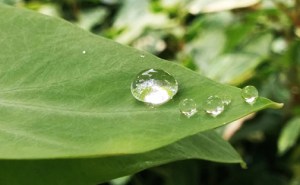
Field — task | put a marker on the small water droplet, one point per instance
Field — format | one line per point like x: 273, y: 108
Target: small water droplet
x: 250, y: 94
x: 142, y: 56
x: 154, y: 86
x: 83, y: 52
x: 226, y: 100
x: 213, y: 106
x: 147, y: 163
x: 188, y: 107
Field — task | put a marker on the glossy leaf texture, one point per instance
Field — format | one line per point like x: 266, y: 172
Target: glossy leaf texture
x: 65, y: 93
x: 91, y: 171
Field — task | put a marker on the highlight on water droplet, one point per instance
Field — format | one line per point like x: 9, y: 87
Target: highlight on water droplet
x: 142, y: 56
x: 213, y: 106
x: 250, y: 94
x: 154, y: 86
x: 188, y: 107
x: 83, y: 52
x: 226, y: 99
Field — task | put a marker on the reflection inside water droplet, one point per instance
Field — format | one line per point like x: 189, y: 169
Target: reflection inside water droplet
x: 142, y: 56
x: 250, y: 94
x: 154, y: 86
x: 188, y: 107
x: 213, y: 106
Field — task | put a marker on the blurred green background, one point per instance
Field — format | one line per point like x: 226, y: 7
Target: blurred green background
x: 236, y: 42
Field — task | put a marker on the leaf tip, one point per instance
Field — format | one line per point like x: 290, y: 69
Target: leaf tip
x: 244, y: 165
x: 277, y: 105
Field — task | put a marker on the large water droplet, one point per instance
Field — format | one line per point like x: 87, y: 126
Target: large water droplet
x: 250, y: 94
x: 213, y: 106
x: 154, y: 86
x: 188, y: 107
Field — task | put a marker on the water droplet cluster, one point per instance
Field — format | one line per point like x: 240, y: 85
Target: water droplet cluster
x: 214, y: 106
x: 156, y: 87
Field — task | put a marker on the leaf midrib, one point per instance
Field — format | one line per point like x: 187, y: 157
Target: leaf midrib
x: 60, y: 110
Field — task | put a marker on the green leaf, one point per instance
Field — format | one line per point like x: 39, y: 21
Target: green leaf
x: 180, y: 173
x: 65, y: 93
x: 11, y: 2
x: 84, y: 171
x: 143, y: 18
x: 207, y: 6
x: 221, y: 50
x: 289, y: 135
x: 233, y: 68
x: 67, y: 115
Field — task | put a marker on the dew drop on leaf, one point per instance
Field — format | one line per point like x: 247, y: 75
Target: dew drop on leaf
x: 250, y: 94
x: 213, y: 106
x: 154, y: 86
x: 188, y: 107
x: 226, y: 99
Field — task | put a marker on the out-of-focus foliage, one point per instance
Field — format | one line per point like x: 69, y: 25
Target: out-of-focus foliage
x: 289, y: 135
x: 237, y: 42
